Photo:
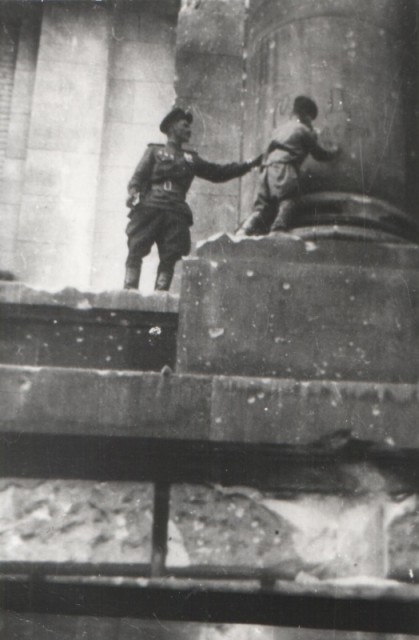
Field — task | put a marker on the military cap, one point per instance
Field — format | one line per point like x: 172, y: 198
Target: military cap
x: 175, y: 114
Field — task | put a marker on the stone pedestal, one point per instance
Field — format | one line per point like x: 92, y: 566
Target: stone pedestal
x: 284, y: 307
x: 337, y: 314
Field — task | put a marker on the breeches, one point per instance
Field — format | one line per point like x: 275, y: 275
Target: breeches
x: 278, y: 183
x: 169, y: 230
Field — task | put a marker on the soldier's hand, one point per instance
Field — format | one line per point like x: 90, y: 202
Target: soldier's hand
x: 133, y: 199
x: 256, y: 162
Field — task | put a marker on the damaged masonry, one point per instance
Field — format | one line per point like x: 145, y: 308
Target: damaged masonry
x: 245, y: 450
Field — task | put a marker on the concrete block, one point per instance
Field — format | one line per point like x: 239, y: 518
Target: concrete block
x: 295, y: 413
x: 113, y: 403
x: 309, y: 319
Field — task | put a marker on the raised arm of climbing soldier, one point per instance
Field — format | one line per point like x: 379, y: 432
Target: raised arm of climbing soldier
x: 223, y: 172
x: 318, y: 152
x: 140, y: 181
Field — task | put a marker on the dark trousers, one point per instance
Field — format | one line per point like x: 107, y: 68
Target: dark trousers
x: 278, y: 186
x: 168, y: 229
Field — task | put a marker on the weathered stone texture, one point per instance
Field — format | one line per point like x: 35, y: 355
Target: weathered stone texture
x: 322, y: 536
x: 209, y: 69
x: 70, y: 328
x: 238, y: 527
x: 62, y: 163
x: 21, y: 79
x: 75, y: 521
x: 302, y: 313
x: 323, y: 49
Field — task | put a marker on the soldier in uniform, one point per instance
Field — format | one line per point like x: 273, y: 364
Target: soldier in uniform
x: 279, y: 181
x: 157, y: 191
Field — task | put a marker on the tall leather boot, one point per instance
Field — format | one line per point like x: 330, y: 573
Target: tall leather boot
x: 132, y: 277
x: 163, y: 280
x: 254, y: 225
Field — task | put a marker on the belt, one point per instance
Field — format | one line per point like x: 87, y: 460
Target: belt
x: 169, y: 187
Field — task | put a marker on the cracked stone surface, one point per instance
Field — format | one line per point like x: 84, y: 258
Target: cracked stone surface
x: 316, y: 535
x: 75, y: 521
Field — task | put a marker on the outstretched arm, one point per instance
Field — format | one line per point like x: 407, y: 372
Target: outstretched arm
x: 318, y: 152
x: 223, y: 172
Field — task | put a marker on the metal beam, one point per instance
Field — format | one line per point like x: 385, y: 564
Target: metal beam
x: 379, y: 615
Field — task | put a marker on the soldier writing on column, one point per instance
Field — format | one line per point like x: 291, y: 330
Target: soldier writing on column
x: 157, y: 190
x: 279, y: 182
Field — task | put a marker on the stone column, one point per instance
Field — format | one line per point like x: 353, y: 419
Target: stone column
x: 352, y: 58
x: 209, y: 67
x: 54, y: 239
x: 17, y: 90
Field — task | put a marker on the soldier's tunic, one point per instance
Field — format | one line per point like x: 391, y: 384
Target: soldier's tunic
x: 279, y: 181
x: 163, y: 177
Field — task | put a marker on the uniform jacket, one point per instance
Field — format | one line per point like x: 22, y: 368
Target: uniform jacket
x: 165, y: 173
x: 292, y: 142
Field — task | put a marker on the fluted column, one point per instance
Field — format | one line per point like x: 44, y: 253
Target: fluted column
x: 353, y: 57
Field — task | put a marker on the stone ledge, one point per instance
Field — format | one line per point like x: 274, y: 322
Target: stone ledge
x: 289, y: 247
x: 118, y: 300
x: 385, y: 612
x: 65, y: 401
x: 324, y: 416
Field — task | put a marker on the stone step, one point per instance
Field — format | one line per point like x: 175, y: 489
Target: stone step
x: 71, y: 328
x: 269, y: 431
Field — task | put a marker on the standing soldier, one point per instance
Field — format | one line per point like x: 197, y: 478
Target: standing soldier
x: 157, y: 191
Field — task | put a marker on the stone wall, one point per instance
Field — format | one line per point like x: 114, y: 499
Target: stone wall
x: 304, y: 537
x: 209, y: 68
x: 91, y: 83
x: 23, y: 39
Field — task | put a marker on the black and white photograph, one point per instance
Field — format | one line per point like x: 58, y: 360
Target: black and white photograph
x: 209, y: 319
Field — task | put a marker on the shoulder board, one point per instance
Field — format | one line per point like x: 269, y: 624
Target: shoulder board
x: 155, y: 144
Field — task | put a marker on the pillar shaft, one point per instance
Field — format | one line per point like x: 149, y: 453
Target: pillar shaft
x: 351, y: 57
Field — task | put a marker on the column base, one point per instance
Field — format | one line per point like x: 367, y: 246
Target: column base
x: 351, y: 216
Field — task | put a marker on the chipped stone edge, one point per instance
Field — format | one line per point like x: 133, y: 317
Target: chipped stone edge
x: 118, y: 299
